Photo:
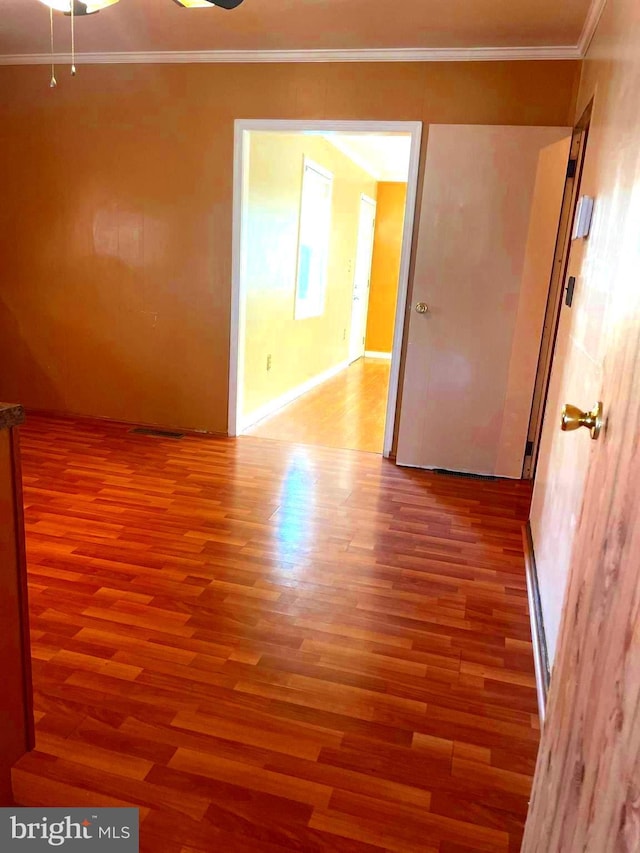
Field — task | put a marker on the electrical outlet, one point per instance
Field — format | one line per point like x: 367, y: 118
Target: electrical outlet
x: 269, y: 362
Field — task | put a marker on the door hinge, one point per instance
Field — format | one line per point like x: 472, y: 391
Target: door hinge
x: 571, y: 283
x: 528, y: 451
x: 572, y: 168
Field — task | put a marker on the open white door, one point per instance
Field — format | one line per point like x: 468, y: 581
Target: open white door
x: 362, y: 278
x: 472, y: 355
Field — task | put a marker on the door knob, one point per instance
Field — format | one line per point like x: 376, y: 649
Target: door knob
x: 422, y: 308
x: 574, y: 418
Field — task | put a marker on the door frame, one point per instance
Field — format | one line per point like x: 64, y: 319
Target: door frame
x: 557, y: 293
x: 364, y: 199
x: 242, y: 128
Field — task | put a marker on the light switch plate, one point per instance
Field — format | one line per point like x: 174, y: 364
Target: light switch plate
x: 582, y: 221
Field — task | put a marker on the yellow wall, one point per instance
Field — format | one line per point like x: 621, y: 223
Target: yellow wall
x: 385, y: 265
x: 299, y: 349
x: 116, y: 214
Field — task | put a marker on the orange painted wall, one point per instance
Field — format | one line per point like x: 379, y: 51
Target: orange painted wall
x: 115, y: 222
x: 385, y: 265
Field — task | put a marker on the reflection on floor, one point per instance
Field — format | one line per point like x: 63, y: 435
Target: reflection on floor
x: 347, y: 411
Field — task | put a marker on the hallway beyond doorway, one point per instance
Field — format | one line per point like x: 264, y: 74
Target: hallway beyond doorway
x: 347, y: 411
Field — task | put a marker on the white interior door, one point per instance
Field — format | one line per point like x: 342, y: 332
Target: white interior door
x: 362, y: 278
x: 471, y: 357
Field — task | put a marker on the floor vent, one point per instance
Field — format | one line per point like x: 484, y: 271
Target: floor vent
x: 157, y: 433
x: 464, y: 474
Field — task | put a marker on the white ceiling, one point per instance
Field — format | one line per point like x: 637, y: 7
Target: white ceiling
x: 384, y: 156
x: 276, y: 25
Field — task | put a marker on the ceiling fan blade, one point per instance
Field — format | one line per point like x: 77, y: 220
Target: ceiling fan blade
x: 202, y: 4
x: 226, y: 4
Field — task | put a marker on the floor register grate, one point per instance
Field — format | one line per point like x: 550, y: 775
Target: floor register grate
x: 157, y: 433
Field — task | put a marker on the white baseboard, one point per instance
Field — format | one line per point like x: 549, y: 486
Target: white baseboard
x: 373, y: 354
x: 538, y: 639
x: 291, y: 395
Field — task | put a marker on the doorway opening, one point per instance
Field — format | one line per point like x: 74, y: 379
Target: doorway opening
x: 362, y: 277
x: 557, y: 466
x: 561, y: 292
x: 323, y: 221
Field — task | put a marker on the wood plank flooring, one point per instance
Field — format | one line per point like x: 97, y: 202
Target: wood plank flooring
x: 269, y: 647
x: 346, y: 411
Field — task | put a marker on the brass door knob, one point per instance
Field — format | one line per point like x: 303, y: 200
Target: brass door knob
x: 422, y: 308
x: 574, y: 418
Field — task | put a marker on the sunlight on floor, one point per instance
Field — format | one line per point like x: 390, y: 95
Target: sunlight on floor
x: 346, y: 411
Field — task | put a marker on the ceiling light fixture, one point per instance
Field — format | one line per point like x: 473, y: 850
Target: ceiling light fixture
x: 80, y: 7
x: 73, y: 9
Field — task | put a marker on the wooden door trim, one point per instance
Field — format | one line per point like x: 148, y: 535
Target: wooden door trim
x: 556, y: 295
x: 23, y: 593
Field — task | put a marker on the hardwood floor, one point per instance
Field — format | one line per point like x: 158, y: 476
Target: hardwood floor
x: 269, y: 647
x: 347, y: 411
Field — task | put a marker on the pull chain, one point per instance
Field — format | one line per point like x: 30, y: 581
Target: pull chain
x: 73, y: 39
x: 53, y: 82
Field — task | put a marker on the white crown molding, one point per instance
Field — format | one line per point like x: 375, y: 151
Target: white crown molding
x: 591, y: 22
x: 437, y: 54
